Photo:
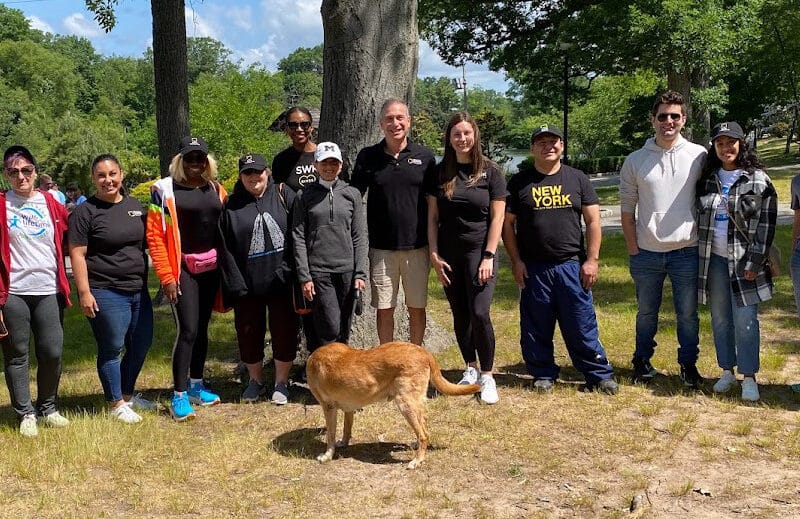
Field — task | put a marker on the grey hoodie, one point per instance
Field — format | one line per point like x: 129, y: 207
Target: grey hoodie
x: 661, y: 183
x: 329, y: 231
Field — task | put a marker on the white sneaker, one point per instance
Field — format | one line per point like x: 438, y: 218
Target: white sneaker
x: 470, y: 377
x: 54, y: 419
x: 125, y: 414
x: 489, y: 389
x: 725, y: 382
x: 27, y: 427
x: 137, y: 403
x: 750, y: 390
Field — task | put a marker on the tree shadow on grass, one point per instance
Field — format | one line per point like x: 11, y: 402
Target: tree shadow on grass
x: 308, y: 443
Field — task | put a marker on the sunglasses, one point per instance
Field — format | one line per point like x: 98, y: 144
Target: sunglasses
x: 294, y: 125
x: 253, y: 171
x: 27, y: 171
x: 663, y: 117
x: 194, y: 159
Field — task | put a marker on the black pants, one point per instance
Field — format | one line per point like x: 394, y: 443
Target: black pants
x: 250, y: 319
x: 192, y: 313
x: 332, y: 308
x: 470, y: 304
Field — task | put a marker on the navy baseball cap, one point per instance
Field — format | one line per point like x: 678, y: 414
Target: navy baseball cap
x: 546, y: 128
x: 728, y: 129
x: 190, y: 144
x: 252, y: 161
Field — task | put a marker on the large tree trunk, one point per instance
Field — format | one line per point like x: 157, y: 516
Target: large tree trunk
x: 170, y: 75
x: 701, y: 126
x: 680, y: 81
x: 370, y: 54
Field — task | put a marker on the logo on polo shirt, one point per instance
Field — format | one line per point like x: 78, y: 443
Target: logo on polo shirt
x: 415, y: 162
x: 135, y: 214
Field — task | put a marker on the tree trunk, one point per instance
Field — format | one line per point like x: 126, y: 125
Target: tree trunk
x: 170, y: 75
x: 370, y: 54
x: 680, y: 81
x: 701, y: 120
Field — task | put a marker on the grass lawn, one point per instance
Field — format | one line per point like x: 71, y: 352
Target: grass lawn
x: 563, y: 454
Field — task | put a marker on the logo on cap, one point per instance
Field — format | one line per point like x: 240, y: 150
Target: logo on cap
x: 328, y: 147
x: 194, y: 142
x: 249, y: 159
x: 544, y: 128
x: 723, y: 127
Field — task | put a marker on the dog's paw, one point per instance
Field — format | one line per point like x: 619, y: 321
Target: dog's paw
x: 413, y: 464
x: 325, y: 456
x: 341, y: 444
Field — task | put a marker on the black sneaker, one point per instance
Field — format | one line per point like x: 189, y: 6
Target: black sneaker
x: 643, y: 371
x: 543, y: 385
x: 690, y: 376
x: 607, y: 386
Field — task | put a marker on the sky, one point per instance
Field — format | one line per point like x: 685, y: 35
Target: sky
x: 262, y: 31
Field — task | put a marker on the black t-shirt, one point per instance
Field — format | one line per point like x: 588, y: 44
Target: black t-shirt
x: 296, y: 169
x: 549, y: 210
x: 464, y: 218
x: 198, y: 212
x: 115, y: 241
x: 397, y: 212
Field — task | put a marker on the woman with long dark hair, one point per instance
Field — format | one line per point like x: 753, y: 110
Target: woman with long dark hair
x: 466, y: 206
x: 737, y: 211
x: 182, y: 236
x: 109, y: 264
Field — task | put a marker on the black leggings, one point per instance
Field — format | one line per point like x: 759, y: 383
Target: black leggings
x: 192, y: 313
x: 470, y: 304
x: 332, y: 308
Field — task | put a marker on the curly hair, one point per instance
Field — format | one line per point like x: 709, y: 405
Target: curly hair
x: 747, y: 159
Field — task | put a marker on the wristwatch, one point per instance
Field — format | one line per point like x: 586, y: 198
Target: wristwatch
x: 487, y: 254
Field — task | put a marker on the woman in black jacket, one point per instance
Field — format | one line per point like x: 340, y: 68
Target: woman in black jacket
x: 255, y: 276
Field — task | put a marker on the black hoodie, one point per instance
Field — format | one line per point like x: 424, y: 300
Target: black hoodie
x: 255, y: 256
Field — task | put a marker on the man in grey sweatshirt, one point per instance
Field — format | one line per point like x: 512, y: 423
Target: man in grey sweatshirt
x: 659, y: 180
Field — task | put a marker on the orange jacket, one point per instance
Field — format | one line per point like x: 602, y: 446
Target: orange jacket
x: 163, y: 233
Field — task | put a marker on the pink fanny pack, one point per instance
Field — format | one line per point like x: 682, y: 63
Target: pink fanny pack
x: 199, y: 262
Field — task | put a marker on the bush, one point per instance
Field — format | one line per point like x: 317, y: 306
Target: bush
x: 142, y: 192
x: 780, y: 130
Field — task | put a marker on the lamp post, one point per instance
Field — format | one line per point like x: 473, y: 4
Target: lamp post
x: 461, y: 84
x: 565, y: 47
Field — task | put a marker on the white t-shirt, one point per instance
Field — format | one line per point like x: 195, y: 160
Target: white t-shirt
x: 33, y: 250
x: 720, y: 244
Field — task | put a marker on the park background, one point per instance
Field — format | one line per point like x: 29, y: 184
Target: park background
x: 567, y: 454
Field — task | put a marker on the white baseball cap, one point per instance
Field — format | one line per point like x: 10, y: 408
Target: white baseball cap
x: 327, y: 150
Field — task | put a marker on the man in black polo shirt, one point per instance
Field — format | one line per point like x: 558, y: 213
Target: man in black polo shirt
x: 397, y: 216
x: 542, y: 233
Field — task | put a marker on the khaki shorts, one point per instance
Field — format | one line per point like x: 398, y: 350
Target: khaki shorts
x: 388, y: 267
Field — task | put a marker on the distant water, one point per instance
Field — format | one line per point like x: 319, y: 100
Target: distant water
x: 510, y: 167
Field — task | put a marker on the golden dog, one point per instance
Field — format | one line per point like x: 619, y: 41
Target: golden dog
x: 341, y: 377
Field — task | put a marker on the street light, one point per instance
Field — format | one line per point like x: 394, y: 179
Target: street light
x: 461, y: 84
x: 565, y: 47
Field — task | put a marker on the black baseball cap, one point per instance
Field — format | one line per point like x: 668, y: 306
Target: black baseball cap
x: 190, y: 144
x: 252, y: 161
x: 17, y: 149
x: 728, y: 129
x: 546, y: 128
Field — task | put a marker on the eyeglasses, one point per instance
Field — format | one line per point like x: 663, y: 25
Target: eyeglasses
x: 27, y: 171
x: 663, y: 117
x: 294, y: 125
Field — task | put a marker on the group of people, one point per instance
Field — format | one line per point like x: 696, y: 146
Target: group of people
x: 296, y: 237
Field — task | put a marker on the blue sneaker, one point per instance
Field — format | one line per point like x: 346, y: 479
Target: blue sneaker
x: 198, y: 394
x: 181, y: 409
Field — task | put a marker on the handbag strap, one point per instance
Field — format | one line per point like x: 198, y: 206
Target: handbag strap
x: 731, y: 217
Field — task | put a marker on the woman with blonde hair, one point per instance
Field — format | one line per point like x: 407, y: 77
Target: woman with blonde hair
x: 182, y: 236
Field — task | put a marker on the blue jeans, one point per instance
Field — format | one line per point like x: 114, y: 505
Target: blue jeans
x: 125, y: 320
x: 553, y: 292
x: 795, y: 269
x: 649, y: 269
x: 736, y: 330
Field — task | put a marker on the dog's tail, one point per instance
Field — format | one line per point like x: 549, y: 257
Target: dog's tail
x: 446, y: 387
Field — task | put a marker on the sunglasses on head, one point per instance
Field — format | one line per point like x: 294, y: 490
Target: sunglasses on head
x: 294, y: 125
x: 663, y: 117
x: 26, y: 171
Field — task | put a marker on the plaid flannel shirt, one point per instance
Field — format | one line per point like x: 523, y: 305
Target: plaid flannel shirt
x: 744, y: 252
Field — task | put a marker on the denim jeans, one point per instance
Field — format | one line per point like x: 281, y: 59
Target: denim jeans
x: 736, y: 329
x: 649, y: 269
x: 125, y: 320
x: 795, y: 270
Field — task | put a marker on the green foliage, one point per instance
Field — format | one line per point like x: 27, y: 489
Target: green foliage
x: 207, y: 56
x: 492, y: 126
x: 14, y: 26
x: 437, y: 98
x: 142, y: 192
x: 424, y: 131
x: 103, y: 12
x: 303, y: 60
